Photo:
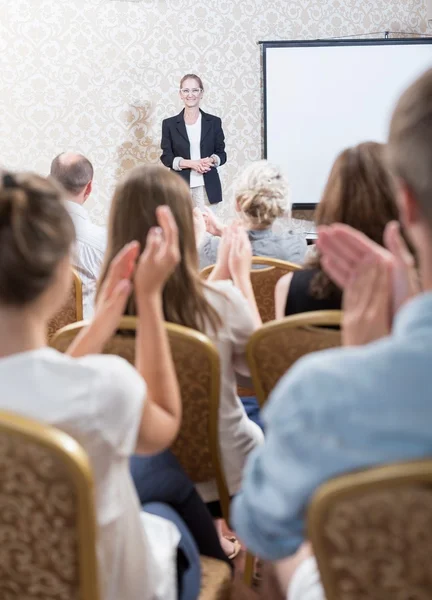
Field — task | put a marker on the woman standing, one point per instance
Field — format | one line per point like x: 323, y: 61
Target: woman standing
x: 193, y: 144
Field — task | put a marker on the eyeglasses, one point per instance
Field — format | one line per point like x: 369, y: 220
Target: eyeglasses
x: 194, y: 92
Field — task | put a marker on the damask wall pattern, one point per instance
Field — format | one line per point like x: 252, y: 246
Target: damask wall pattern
x: 98, y: 76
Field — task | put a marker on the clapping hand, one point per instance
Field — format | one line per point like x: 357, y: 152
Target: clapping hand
x: 343, y: 248
x: 367, y: 302
x: 240, y: 255
x: 213, y: 224
x: 116, y: 289
x: 160, y: 257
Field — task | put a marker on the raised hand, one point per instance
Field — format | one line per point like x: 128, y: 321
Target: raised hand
x: 160, y: 257
x: 116, y: 288
x: 221, y: 269
x: 367, y: 303
x: 199, y: 225
x: 343, y: 249
x: 240, y: 256
x: 213, y: 224
x: 110, y: 305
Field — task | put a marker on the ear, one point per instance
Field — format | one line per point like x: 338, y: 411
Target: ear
x: 408, y: 207
x: 88, y: 189
x: 237, y: 205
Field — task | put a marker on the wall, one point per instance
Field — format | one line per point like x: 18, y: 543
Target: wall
x: 99, y: 76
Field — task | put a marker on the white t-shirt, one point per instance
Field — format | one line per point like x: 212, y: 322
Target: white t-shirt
x: 238, y: 435
x: 98, y: 400
x: 194, y: 135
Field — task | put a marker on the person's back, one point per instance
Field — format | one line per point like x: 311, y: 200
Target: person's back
x: 351, y: 408
x: 261, y: 197
x: 359, y: 192
x: 217, y: 309
x: 98, y: 401
x: 102, y: 401
x: 75, y: 173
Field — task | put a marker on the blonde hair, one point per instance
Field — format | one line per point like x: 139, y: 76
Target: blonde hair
x: 262, y: 193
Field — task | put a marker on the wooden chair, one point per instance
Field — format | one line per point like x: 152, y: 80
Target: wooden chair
x: 197, y: 445
x: 275, y: 347
x: 371, y: 532
x: 47, y: 515
x: 264, y: 282
x: 72, y: 311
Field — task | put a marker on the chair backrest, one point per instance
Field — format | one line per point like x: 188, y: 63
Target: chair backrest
x: 47, y: 516
x: 264, y: 282
x: 275, y: 347
x: 72, y: 311
x: 371, y: 532
x: 198, y: 371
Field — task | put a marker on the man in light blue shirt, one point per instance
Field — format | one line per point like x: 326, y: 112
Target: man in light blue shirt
x: 351, y: 408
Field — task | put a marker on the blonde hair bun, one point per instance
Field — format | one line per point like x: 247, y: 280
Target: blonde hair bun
x: 262, y: 193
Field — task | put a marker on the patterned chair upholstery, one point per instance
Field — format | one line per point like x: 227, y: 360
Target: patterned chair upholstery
x: 72, y: 311
x: 264, y: 281
x: 47, y: 518
x: 197, y: 445
x: 275, y: 347
x: 371, y: 532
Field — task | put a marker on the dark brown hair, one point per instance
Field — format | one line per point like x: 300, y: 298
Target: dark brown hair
x: 133, y: 213
x: 410, y: 141
x: 360, y: 192
x: 192, y: 76
x: 36, y: 233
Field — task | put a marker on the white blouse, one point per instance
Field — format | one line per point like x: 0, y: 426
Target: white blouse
x: 194, y: 135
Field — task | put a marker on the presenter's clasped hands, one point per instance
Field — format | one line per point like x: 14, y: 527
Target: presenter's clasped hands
x: 200, y: 166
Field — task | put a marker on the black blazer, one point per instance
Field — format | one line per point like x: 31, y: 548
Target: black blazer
x: 175, y: 142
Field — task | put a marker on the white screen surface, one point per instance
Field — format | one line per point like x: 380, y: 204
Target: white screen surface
x: 322, y: 99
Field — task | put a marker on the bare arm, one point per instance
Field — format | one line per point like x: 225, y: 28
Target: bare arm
x: 162, y: 410
x: 281, y: 294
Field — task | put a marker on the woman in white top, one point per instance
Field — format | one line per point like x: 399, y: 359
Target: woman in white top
x: 193, y: 144
x: 112, y: 409
x: 217, y: 308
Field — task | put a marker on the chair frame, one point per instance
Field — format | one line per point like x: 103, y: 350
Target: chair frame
x: 78, y: 295
x: 311, y: 319
x: 77, y: 466
x: 260, y: 260
x: 173, y: 330
x: 349, y: 485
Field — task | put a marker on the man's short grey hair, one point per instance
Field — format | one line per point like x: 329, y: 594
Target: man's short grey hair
x: 73, y: 171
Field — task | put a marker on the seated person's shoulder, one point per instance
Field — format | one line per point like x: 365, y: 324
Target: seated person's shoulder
x: 323, y: 381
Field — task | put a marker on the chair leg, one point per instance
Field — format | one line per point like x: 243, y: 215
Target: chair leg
x: 249, y: 569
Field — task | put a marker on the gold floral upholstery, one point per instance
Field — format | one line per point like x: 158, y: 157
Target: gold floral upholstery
x: 275, y: 347
x: 216, y: 580
x: 72, y: 311
x: 264, y: 281
x: 47, y: 544
x: 372, y: 533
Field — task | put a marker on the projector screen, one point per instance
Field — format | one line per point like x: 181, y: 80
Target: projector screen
x: 321, y: 97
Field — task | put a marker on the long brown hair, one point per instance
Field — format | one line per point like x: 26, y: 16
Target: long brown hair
x: 360, y: 192
x: 133, y: 214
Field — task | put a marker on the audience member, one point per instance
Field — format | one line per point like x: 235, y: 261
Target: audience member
x: 354, y: 407
x: 360, y: 193
x: 261, y: 196
x: 75, y: 173
x: 217, y: 308
x: 109, y: 407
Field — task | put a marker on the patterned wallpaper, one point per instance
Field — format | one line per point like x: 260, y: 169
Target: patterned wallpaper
x: 99, y: 76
